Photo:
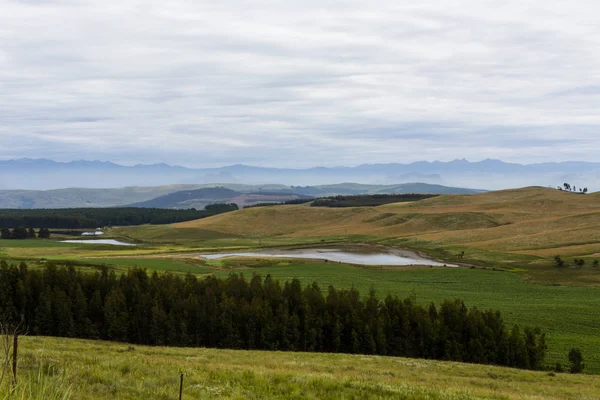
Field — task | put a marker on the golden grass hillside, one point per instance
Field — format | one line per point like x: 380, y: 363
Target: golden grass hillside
x: 517, y: 229
x: 533, y: 221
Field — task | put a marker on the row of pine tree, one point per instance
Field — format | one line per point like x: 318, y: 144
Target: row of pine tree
x: 236, y: 313
x: 77, y: 218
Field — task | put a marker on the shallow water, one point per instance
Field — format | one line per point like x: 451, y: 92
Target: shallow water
x: 99, y: 241
x: 336, y: 255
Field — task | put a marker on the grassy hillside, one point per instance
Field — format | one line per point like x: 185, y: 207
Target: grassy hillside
x: 100, y: 370
x: 510, y: 228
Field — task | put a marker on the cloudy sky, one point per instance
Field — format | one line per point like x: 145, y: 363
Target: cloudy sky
x: 299, y: 83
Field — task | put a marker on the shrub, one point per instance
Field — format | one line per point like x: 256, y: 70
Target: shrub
x: 559, y: 261
x: 576, y: 360
x: 559, y: 368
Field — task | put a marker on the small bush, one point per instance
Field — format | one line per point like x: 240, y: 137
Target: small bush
x: 559, y: 261
x: 559, y: 368
x: 576, y: 361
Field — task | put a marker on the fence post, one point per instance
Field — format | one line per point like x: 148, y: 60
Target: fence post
x: 180, y: 386
x: 14, y: 357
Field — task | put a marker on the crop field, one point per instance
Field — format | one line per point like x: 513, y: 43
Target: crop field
x: 152, y: 264
x: 100, y: 370
x: 567, y: 314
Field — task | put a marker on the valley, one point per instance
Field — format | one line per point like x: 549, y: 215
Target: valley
x: 503, y: 242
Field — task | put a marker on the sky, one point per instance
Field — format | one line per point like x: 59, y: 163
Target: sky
x: 299, y: 83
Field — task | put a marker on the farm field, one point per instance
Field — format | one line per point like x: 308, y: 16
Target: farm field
x: 565, y: 313
x: 153, y: 264
x: 101, y: 370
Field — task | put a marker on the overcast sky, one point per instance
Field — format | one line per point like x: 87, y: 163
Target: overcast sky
x: 299, y: 83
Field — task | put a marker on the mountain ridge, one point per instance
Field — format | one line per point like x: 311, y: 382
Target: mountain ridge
x: 198, y: 196
x: 491, y: 174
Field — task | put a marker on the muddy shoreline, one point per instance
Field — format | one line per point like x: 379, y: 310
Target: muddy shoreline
x: 358, y: 254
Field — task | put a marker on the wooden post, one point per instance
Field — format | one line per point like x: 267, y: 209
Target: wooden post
x: 14, y: 358
x: 180, y: 386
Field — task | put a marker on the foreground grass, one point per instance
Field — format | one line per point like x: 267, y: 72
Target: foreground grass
x: 102, y: 370
x: 43, y: 384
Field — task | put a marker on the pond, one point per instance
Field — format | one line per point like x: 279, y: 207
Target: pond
x: 99, y: 241
x: 381, y: 257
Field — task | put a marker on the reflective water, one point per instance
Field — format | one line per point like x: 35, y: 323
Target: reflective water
x: 99, y: 241
x: 337, y: 255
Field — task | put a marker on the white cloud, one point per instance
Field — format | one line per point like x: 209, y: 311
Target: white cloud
x: 299, y: 83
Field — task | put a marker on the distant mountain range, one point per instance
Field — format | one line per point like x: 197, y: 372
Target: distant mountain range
x: 198, y: 196
x: 487, y: 174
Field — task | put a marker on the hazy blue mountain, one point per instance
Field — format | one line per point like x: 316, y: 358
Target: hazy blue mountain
x: 83, y: 197
x: 486, y: 174
x: 198, y: 196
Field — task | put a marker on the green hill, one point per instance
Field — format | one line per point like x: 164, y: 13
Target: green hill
x: 198, y: 198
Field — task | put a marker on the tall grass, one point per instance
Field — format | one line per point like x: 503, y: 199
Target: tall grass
x: 38, y: 386
x: 44, y: 383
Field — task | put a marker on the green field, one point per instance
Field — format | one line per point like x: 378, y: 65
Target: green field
x: 153, y: 264
x: 99, y: 370
x: 566, y: 313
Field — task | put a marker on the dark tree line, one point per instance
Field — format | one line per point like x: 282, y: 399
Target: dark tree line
x: 368, y: 200
x: 24, y: 233
x: 577, y: 262
x: 256, y: 314
x: 279, y: 203
x: 77, y: 218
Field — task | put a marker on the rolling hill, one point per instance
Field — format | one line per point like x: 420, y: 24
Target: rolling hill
x: 520, y: 220
x: 197, y: 196
x: 510, y: 227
